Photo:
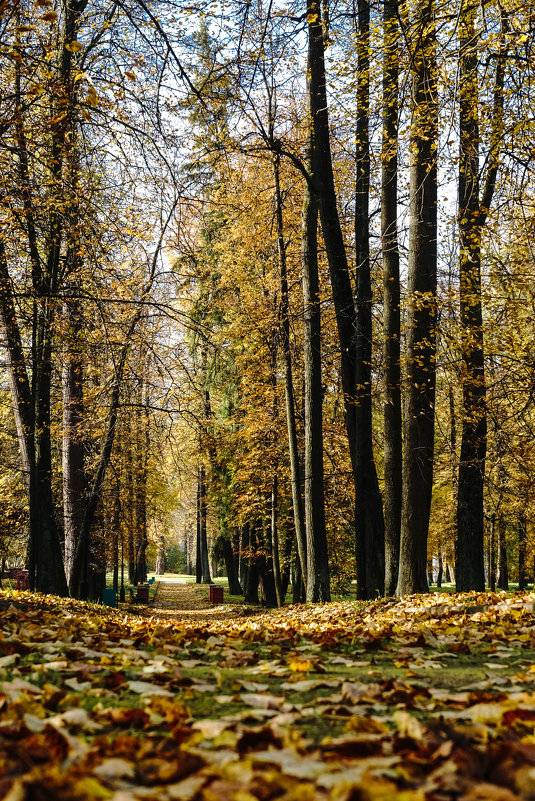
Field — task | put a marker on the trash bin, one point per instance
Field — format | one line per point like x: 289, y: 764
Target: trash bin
x: 216, y: 594
x: 142, y: 594
x: 109, y: 597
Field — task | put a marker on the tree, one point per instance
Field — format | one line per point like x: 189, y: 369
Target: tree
x: 419, y: 415
x: 473, y: 212
x: 393, y: 452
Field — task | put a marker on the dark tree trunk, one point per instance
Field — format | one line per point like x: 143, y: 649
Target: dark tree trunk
x: 422, y: 313
x: 313, y: 399
x: 46, y: 556
x: 245, y: 545
x: 19, y: 384
x: 142, y: 443
x: 252, y: 577
x: 522, y: 548
x: 205, y: 562
x: 492, y: 553
x: 198, y: 548
x: 234, y: 586
x: 297, y: 500
x: 73, y: 438
x: 393, y: 455
x: 503, y: 568
x: 369, y: 522
x: 469, y: 563
x: 440, y: 572
x: 264, y: 562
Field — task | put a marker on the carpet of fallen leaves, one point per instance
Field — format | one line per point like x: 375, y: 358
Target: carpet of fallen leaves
x: 430, y: 698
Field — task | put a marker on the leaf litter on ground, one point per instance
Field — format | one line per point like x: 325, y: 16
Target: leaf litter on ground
x: 427, y: 698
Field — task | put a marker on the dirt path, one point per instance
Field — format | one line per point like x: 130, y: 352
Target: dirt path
x: 184, y: 600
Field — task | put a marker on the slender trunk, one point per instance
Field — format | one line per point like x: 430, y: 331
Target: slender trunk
x: 160, y: 557
x: 313, y: 394
x: 469, y: 561
x: 205, y: 561
x: 252, y: 574
x: 19, y: 383
x: 73, y: 445
x: 440, y: 572
x: 369, y: 521
x: 198, y: 549
x: 245, y: 546
x: 297, y: 500
x: 522, y: 548
x: 421, y: 317
x: 503, y: 568
x: 393, y: 452
x: 265, y: 566
x: 275, y: 540
x: 141, y: 472
x: 492, y: 553
x: 470, y: 574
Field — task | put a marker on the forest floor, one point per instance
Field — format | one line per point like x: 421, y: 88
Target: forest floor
x: 428, y: 698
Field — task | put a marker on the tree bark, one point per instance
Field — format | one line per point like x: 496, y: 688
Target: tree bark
x: 73, y: 444
x: 421, y: 317
x: 295, y: 472
x: 313, y: 396
x: 393, y: 451
x: 203, y: 538
x: 369, y: 523
x: 470, y: 572
x: 522, y: 548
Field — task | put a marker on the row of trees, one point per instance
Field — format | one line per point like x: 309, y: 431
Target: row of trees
x: 407, y: 124
x: 276, y: 264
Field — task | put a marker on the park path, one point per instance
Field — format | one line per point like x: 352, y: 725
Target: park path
x: 177, y: 599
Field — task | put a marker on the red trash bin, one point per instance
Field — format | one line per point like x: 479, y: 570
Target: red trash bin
x: 216, y: 594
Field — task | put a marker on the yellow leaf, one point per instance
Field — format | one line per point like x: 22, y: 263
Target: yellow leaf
x: 73, y: 47
x: 300, y: 665
x: 312, y: 18
x: 50, y: 16
x: 131, y: 75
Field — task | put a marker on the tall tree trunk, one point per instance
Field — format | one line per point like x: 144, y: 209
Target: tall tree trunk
x: 231, y: 566
x: 313, y: 394
x: 205, y: 561
x: 469, y: 556
x: 339, y: 272
x: 470, y: 573
x: 393, y: 452
x: 369, y: 521
x: 503, y: 568
x: 422, y: 313
x: 73, y: 445
x: 198, y: 548
x: 275, y: 539
x: 522, y: 548
x: 492, y: 553
x: 252, y: 576
x: 297, y: 500
x: 17, y: 374
x: 245, y: 547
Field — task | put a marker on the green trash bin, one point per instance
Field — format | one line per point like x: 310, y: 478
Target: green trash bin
x: 109, y: 597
